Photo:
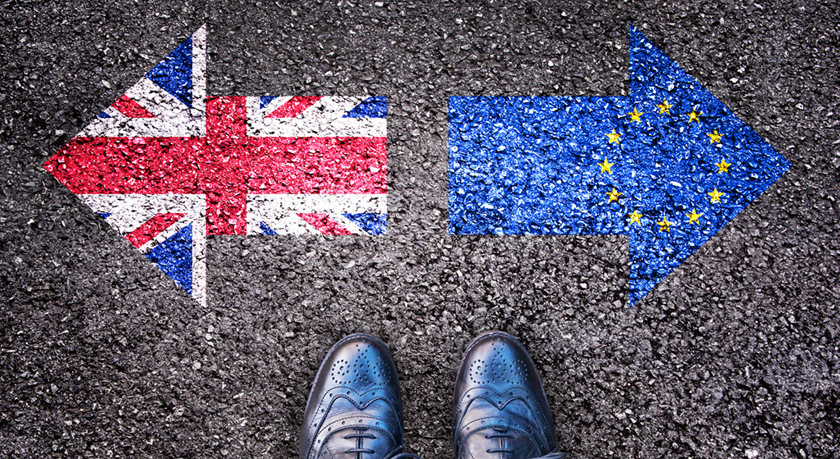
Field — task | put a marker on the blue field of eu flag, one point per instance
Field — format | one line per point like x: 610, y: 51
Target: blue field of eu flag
x: 668, y: 166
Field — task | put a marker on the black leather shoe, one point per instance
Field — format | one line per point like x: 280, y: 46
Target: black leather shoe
x: 354, y: 409
x: 501, y: 411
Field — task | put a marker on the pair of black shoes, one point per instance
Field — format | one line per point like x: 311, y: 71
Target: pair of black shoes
x: 355, y: 411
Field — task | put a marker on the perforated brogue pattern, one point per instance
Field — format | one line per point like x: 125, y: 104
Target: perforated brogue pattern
x: 364, y: 367
x: 500, y: 368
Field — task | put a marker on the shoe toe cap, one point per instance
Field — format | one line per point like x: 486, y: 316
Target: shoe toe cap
x: 498, y: 360
x: 360, y: 363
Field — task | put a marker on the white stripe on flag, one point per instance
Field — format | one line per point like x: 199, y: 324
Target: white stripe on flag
x: 323, y: 119
x: 279, y: 211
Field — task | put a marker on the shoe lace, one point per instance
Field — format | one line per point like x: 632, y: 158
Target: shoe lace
x: 361, y: 432
x: 499, y: 434
x: 503, y: 434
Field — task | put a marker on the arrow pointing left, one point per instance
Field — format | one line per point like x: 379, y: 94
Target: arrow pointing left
x: 165, y: 165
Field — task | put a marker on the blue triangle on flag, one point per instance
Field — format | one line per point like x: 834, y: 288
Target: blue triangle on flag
x: 174, y: 257
x: 174, y: 73
x: 104, y: 214
x: 267, y: 230
x: 265, y: 100
x: 104, y: 115
x: 375, y: 224
x: 372, y: 107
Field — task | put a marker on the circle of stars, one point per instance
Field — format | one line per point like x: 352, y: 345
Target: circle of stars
x: 635, y: 116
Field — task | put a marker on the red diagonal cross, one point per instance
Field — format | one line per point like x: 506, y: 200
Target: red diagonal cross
x: 226, y: 165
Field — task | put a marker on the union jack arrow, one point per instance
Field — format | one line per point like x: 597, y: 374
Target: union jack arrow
x: 166, y: 165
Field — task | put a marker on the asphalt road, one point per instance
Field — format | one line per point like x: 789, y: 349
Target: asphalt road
x: 734, y: 355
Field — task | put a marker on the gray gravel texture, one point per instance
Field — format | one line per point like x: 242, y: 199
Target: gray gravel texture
x: 734, y: 355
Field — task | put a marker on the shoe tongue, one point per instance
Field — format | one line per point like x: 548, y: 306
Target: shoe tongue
x: 355, y: 443
x: 518, y: 445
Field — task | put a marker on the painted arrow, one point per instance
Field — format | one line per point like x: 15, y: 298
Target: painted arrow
x: 668, y: 166
x: 165, y: 165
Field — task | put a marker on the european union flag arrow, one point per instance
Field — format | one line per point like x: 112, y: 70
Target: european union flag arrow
x: 668, y: 166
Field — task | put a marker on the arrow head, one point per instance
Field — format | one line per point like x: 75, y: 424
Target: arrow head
x: 119, y: 149
x: 710, y: 164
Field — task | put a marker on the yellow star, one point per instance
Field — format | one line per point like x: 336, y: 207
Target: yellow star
x: 636, y: 217
x: 723, y: 166
x: 606, y: 166
x: 714, y: 137
x: 635, y: 115
x: 665, y: 107
x: 694, y: 217
x: 715, y: 196
x: 664, y: 225
x: 613, y: 137
x: 613, y: 195
x: 694, y: 116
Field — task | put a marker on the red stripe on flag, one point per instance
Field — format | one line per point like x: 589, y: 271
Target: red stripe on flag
x: 270, y: 165
x: 154, y: 226
x: 227, y: 159
x: 294, y: 107
x: 226, y: 166
x: 325, y: 224
x: 226, y: 212
x: 130, y: 108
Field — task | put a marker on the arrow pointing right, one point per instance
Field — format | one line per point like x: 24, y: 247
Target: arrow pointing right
x: 668, y: 166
